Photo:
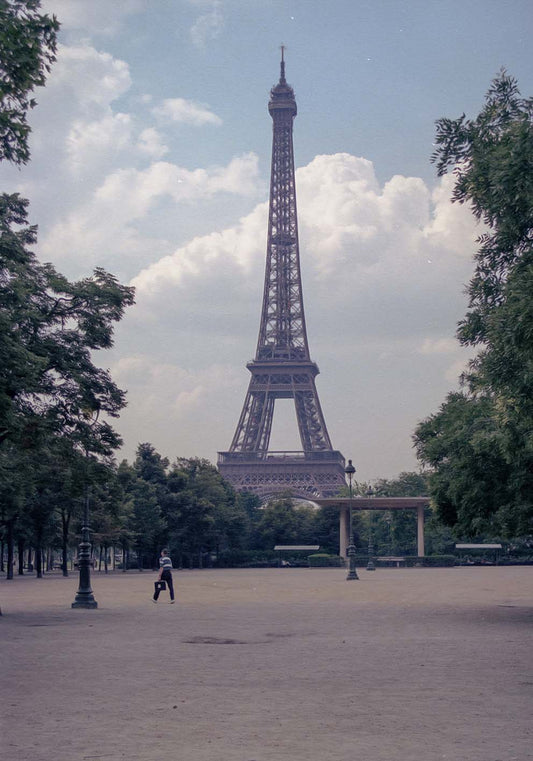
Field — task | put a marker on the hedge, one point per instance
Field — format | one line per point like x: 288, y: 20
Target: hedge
x: 322, y: 560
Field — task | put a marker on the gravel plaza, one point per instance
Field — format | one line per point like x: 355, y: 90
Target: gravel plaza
x: 271, y: 665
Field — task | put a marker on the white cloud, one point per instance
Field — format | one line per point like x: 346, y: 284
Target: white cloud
x: 175, y: 404
x: 206, y: 260
x: 439, y: 346
x: 186, y: 112
x: 377, y: 238
x: 98, y: 16
x: 88, y: 141
x: 91, y: 77
x: 456, y: 369
x: 85, y: 133
x: 208, y: 26
x: 452, y: 223
x: 375, y: 308
x: 133, y: 191
x: 104, y: 226
x: 151, y: 143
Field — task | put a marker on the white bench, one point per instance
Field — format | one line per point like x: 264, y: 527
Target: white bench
x: 390, y: 559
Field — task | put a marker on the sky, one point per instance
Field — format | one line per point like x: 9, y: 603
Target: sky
x: 151, y: 158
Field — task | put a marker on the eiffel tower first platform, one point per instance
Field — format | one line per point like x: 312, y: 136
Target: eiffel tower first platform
x: 282, y: 368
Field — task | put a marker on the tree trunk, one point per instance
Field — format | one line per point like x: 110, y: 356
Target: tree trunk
x: 9, y: 542
x: 39, y: 559
x: 20, y: 550
x: 106, y: 569
x: 65, y: 525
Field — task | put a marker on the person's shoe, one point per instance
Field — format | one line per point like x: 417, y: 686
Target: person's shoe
x: 172, y: 602
x: 154, y: 601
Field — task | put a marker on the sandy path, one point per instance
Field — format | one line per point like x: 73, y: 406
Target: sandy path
x: 264, y: 665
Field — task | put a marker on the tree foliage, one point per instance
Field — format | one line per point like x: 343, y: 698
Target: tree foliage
x: 49, y: 328
x: 27, y: 51
x: 55, y: 403
x: 480, y: 443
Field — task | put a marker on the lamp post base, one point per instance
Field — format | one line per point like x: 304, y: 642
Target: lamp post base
x: 352, y: 573
x: 85, y: 603
x: 84, y: 596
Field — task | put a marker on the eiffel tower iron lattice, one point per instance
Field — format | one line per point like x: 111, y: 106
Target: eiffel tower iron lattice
x: 282, y: 368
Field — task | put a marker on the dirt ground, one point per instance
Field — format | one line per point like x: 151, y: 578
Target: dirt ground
x: 271, y: 665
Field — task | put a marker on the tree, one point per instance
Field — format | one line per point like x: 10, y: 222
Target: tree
x: 282, y: 522
x: 52, y: 397
x: 395, y: 531
x: 27, y: 51
x: 109, y: 511
x: 144, y: 524
x: 480, y: 442
x: 408, y: 484
x: 203, y: 511
x: 49, y: 329
x: 150, y: 466
x: 48, y: 326
x: 147, y: 524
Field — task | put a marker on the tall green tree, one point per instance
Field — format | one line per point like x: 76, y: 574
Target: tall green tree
x: 283, y: 522
x: 51, y: 392
x: 146, y: 526
x: 49, y: 329
x: 208, y: 517
x: 482, y: 438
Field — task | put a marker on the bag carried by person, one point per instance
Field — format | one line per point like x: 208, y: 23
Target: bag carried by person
x: 160, y: 585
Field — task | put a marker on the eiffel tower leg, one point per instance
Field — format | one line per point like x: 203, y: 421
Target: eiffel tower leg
x: 255, y: 424
x: 311, y: 424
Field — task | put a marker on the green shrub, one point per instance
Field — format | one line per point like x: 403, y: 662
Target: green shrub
x: 246, y: 559
x: 413, y: 561
x: 322, y: 560
x: 431, y: 561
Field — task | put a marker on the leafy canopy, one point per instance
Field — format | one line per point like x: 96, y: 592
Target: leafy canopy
x: 27, y: 51
x: 480, y: 443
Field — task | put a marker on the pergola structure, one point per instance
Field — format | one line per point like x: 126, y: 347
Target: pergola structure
x: 343, y: 505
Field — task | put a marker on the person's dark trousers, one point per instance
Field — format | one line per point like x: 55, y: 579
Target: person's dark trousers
x: 166, y: 576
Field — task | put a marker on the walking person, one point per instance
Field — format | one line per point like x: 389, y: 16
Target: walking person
x: 165, y: 574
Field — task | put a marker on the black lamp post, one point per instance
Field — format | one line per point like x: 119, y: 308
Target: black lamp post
x: 370, y: 565
x: 352, y: 573
x: 84, y: 597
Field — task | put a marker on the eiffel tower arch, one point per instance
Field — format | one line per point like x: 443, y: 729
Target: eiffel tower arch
x: 282, y: 368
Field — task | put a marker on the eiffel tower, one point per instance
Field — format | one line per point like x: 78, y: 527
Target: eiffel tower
x: 282, y: 368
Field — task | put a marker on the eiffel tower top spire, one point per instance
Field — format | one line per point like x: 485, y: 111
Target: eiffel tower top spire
x: 282, y: 94
x: 282, y: 332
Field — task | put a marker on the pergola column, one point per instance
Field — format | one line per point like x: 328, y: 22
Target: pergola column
x: 344, y: 529
x: 420, y: 530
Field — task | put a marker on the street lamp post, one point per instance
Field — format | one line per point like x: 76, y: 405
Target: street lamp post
x: 84, y: 597
x: 352, y: 573
x: 370, y: 565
